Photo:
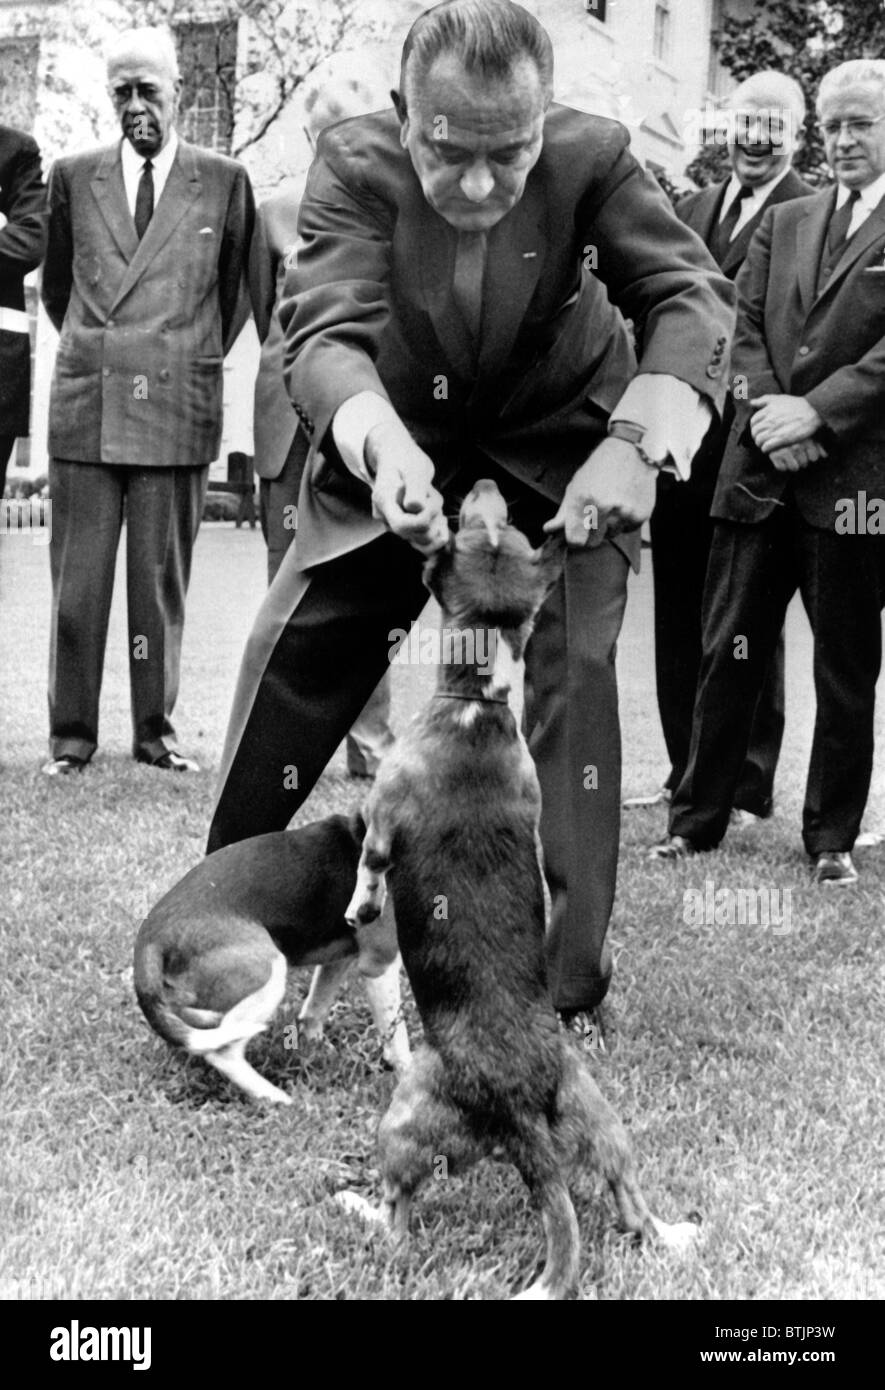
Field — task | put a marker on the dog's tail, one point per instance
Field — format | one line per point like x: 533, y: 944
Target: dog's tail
x: 201, y: 1031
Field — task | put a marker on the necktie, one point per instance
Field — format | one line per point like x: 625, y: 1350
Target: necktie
x: 470, y: 259
x: 837, y: 233
x: 144, y: 199
x: 725, y: 230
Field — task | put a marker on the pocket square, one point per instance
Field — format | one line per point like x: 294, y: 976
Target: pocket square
x: 206, y: 231
x: 874, y: 270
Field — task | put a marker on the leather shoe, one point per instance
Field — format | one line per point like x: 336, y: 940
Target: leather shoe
x: 662, y: 797
x: 674, y: 847
x: 834, y: 868
x: 173, y: 762
x: 739, y: 819
x: 63, y: 766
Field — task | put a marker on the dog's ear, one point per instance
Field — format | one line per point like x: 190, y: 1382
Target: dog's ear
x: 550, y: 559
x: 437, y: 566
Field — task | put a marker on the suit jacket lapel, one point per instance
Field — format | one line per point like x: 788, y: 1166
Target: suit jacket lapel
x: 810, y: 236
x: 863, y: 238
x: 708, y: 219
x: 183, y: 187
x: 109, y: 192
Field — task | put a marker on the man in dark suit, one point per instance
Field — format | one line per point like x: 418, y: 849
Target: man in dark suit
x: 341, y: 87
x: 765, y: 115
x: 448, y: 317
x: 806, y: 452
x: 22, y: 244
x: 145, y: 281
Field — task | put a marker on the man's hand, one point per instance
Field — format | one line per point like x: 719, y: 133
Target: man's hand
x: 403, y: 495
x: 613, y: 491
x: 792, y: 457
x: 782, y: 420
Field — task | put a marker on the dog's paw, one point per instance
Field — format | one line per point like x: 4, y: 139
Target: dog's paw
x: 535, y: 1293
x: 360, y: 1206
x: 310, y: 1031
x: 681, y: 1236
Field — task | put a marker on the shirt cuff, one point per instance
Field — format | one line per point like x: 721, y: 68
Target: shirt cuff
x: 674, y: 415
x: 351, y: 424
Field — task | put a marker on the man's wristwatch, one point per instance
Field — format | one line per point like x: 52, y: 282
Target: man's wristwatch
x: 634, y: 434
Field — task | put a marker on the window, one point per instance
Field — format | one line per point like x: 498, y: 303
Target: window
x: 661, y: 43
x: 207, y: 56
x: 596, y: 8
x: 18, y: 90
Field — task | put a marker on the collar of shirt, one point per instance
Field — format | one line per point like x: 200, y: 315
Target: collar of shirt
x: 751, y: 204
x: 870, y: 198
x: 133, y: 163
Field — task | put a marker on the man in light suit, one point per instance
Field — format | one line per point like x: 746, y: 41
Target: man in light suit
x: 806, y: 452
x: 448, y: 318
x: 337, y: 89
x: 145, y: 281
x: 765, y: 116
x: 22, y: 244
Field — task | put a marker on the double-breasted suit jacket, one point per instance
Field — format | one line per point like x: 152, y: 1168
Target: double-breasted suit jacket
x: 826, y: 344
x: 22, y: 243
x: 370, y: 307
x: 144, y: 324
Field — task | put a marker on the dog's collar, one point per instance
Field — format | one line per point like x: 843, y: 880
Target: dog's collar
x: 478, y: 699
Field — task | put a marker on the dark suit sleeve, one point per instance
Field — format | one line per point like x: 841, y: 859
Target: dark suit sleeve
x: 262, y: 273
x: 233, y: 295
x: 23, y: 203
x: 335, y: 304
x: 750, y: 358
x: 659, y: 274
x: 58, y: 268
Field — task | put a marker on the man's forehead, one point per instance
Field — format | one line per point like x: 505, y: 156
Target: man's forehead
x: 473, y: 105
x: 135, y: 67
x: 860, y: 96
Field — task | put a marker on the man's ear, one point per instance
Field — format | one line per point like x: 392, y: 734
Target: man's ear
x: 550, y: 559
x: 399, y: 106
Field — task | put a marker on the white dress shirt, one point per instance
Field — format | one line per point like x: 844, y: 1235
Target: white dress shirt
x: 754, y: 201
x: 133, y: 163
x: 869, y: 200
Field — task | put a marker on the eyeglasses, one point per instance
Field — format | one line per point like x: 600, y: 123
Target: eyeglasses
x: 856, y: 128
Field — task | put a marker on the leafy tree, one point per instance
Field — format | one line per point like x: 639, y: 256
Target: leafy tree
x: 804, y: 38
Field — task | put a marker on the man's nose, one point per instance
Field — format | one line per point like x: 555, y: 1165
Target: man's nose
x: 478, y: 182
x: 135, y: 102
x: 846, y: 137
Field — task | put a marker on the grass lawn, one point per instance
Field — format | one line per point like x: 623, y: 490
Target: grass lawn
x: 747, y: 1063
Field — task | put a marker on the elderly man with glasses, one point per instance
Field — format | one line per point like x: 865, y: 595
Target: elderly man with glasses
x: 799, y: 503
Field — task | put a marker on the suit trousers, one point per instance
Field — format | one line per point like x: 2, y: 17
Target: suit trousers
x: 163, y: 508
x: 318, y: 648
x: 753, y: 573
x: 371, y: 735
x: 6, y: 444
x: 681, y: 535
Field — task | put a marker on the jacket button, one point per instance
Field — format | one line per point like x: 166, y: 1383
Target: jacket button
x: 164, y: 374
x: 106, y: 371
x: 713, y: 372
x: 111, y: 323
x: 804, y: 351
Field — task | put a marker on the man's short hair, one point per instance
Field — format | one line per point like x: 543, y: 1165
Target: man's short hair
x: 772, y: 90
x: 156, y: 44
x: 866, y: 72
x: 489, y: 37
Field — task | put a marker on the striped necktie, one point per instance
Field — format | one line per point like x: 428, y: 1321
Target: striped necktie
x: 470, y: 260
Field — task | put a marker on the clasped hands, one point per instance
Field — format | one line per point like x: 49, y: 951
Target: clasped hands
x: 783, y: 428
x: 613, y: 491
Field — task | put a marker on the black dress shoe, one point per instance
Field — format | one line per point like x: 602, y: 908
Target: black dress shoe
x: 674, y: 847
x: 63, y: 766
x: 172, y: 762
